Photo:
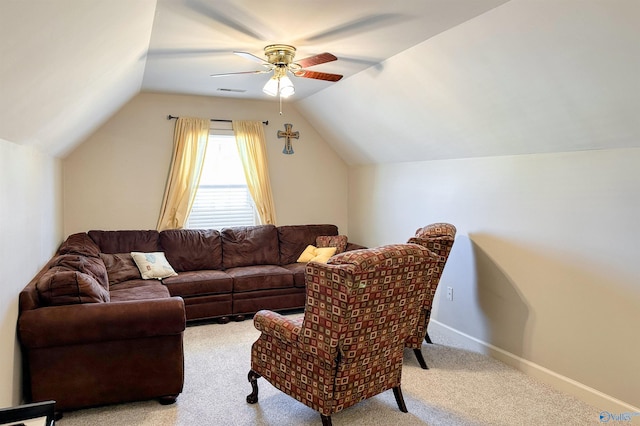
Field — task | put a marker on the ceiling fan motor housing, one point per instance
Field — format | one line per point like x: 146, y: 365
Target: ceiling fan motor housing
x: 280, y: 54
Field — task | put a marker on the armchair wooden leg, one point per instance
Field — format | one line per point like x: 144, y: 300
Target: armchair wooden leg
x: 420, y: 359
x: 253, y: 377
x: 428, y: 339
x: 399, y: 399
x: 326, y: 420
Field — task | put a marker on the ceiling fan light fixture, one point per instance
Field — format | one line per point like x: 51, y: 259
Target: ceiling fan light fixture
x: 271, y: 88
x: 286, y: 87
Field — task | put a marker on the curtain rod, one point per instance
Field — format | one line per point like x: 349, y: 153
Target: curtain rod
x: 171, y: 117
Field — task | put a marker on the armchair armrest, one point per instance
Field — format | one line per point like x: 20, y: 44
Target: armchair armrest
x: 278, y: 326
x: 99, y: 322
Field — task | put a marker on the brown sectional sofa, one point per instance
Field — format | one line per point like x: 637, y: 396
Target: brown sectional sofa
x: 93, y: 332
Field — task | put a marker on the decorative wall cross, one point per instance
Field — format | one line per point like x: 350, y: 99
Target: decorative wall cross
x: 288, y: 134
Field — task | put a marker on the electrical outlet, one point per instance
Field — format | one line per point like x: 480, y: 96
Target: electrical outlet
x: 449, y: 293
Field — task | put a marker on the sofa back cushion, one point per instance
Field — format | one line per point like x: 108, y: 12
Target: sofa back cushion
x: 120, y: 267
x: 126, y: 241
x: 192, y: 249
x: 249, y: 245
x: 61, y: 286
x: 294, y: 239
x: 81, y: 244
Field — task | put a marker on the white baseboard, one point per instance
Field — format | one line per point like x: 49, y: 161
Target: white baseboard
x: 562, y: 383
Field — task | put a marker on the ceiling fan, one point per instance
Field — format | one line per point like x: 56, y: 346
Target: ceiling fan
x: 280, y: 62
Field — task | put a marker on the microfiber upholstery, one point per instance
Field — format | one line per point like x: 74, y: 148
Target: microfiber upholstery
x: 192, y: 249
x: 249, y: 245
x: 120, y: 267
x: 295, y: 238
x: 61, y: 286
x: 195, y: 283
x: 80, y: 244
x: 93, y: 266
x: 126, y: 241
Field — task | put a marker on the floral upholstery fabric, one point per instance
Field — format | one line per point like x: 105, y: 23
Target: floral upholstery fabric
x: 361, y: 307
x: 337, y: 241
x: 438, y: 238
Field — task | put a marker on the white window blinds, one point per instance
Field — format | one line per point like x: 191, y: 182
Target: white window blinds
x: 222, y: 199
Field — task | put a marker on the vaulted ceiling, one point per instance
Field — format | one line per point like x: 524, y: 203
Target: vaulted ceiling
x: 424, y: 79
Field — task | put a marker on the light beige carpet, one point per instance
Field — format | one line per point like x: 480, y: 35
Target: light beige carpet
x: 460, y: 388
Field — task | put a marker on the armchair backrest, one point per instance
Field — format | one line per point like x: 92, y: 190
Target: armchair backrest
x: 438, y: 238
x: 361, y: 307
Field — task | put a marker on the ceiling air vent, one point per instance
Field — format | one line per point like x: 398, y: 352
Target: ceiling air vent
x: 231, y: 90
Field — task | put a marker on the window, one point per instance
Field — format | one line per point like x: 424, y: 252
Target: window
x: 222, y: 199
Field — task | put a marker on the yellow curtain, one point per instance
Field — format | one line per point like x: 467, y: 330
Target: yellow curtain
x: 189, y: 146
x: 251, y: 144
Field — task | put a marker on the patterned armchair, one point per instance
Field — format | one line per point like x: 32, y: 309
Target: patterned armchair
x: 437, y: 237
x: 360, y: 309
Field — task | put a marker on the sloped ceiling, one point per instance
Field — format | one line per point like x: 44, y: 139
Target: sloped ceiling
x: 526, y: 77
x: 67, y: 65
x: 501, y: 78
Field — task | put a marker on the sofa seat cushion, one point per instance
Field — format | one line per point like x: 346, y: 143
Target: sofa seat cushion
x: 192, y: 249
x: 297, y: 269
x: 138, y: 290
x: 196, y: 283
x: 260, y: 277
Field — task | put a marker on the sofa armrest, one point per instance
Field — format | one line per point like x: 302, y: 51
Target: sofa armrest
x: 100, y: 322
x: 354, y: 246
x: 278, y: 326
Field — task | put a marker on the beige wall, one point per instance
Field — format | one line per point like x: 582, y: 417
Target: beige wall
x: 116, y: 179
x: 30, y: 231
x: 545, y: 263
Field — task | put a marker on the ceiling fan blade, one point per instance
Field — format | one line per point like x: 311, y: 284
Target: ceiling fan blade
x: 234, y: 17
x: 165, y: 53
x: 318, y: 75
x: 252, y: 57
x: 316, y: 60
x: 226, y: 74
x: 364, y: 24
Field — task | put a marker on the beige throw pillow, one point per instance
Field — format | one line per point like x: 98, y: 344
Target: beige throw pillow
x: 153, y: 265
x: 316, y: 254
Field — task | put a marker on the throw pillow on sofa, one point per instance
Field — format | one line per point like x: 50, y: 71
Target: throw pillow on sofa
x: 316, y: 254
x: 153, y: 265
x: 337, y: 241
x: 61, y: 286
